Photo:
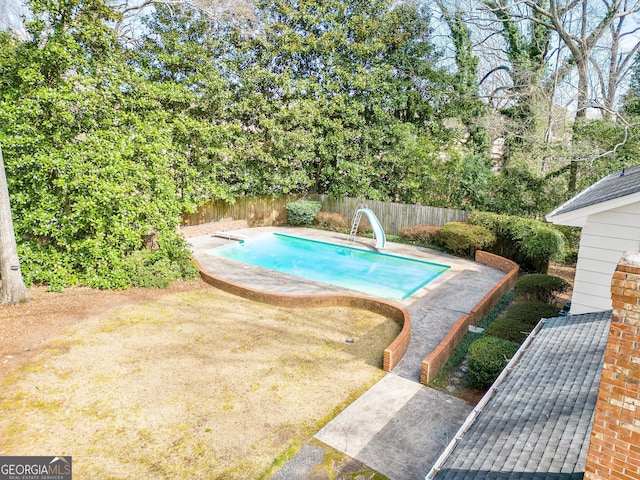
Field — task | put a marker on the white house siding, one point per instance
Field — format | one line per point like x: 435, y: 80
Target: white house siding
x: 605, y: 237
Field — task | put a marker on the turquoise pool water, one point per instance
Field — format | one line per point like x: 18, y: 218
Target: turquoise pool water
x: 377, y: 274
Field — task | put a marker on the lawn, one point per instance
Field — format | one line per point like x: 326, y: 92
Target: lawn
x: 198, y: 384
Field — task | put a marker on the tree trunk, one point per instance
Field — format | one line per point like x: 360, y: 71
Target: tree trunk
x: 613, y: 81
x: 583, y: 86
x: 12, y: 289
x: 573, y: 177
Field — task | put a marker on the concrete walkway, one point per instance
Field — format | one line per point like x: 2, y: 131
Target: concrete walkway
x: 399, y: 427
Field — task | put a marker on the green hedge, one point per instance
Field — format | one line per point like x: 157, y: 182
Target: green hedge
x: 464, y: 239
x: 571, y: 236
x: 509, y: 328
x: 302, y: 212
x: 531, y: 243
x: 487, y: 358
x: 531, y: 312
x: 539, y: 287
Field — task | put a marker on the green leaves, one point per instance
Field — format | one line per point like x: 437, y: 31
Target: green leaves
x: 302, y: 212
x: 325, y: 88
x: 530, y: 242
x: 93, y: 167
x: 88, y: 205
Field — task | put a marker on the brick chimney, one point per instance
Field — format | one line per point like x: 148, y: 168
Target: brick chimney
x: 614, y: 448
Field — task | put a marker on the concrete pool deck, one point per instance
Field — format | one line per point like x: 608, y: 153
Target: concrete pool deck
x: 399, y: 427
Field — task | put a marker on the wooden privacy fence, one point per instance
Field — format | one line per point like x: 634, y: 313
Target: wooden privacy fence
x: 257, y: 211
x: 393, y: 216
x: 270, y: 210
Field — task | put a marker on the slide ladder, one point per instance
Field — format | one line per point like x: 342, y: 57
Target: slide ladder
x: 378, y: 232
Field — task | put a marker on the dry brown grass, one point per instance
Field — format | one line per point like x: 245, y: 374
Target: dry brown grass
x: 191, y: 385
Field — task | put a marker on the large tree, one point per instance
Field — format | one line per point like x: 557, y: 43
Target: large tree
x: 583, y: 27
x: 467, y: 104
x: 613, y: 60
x: 12, y: 287
x: 323, y: 90
x: 90, y: 155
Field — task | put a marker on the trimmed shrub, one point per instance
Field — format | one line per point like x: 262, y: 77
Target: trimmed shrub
x: 531, y: 312
x: 464, y: 238
x: 331, y: 221
x: 302, y: 212
x: 427, y: 234
x: 150, y: 270
x: 531, y: 243
x: 509, y: 328
x: 541, y: 245
x: 487, y: 358
x: 540, y: 287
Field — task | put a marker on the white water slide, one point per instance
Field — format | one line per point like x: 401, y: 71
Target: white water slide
x: 378, y: 232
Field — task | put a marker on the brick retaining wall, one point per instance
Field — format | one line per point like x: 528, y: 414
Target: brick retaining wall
x: 392, y: 354
x: 432, y: 365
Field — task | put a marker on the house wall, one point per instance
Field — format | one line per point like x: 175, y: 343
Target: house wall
x: 605, y: 237
x: 614, y: 447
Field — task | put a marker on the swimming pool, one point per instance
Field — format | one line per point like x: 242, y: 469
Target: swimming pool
x: 377, y: 274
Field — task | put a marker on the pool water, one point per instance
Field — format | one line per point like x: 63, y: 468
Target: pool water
x: 373, y: 273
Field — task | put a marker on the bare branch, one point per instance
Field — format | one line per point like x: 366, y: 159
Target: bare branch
x: 491, y: 72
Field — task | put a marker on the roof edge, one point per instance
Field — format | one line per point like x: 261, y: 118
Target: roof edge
x: 575, y: 198
x: 578, y: 217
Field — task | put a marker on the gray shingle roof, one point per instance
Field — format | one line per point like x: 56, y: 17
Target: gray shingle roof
x: 615, y: 185
x: 537, y: 424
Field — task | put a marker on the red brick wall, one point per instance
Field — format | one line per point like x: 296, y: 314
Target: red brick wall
x: 614, y: 449
x: 434, y: 362
x: 392, y: 354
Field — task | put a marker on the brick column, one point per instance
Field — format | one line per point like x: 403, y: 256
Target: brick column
x: 614, y: 449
